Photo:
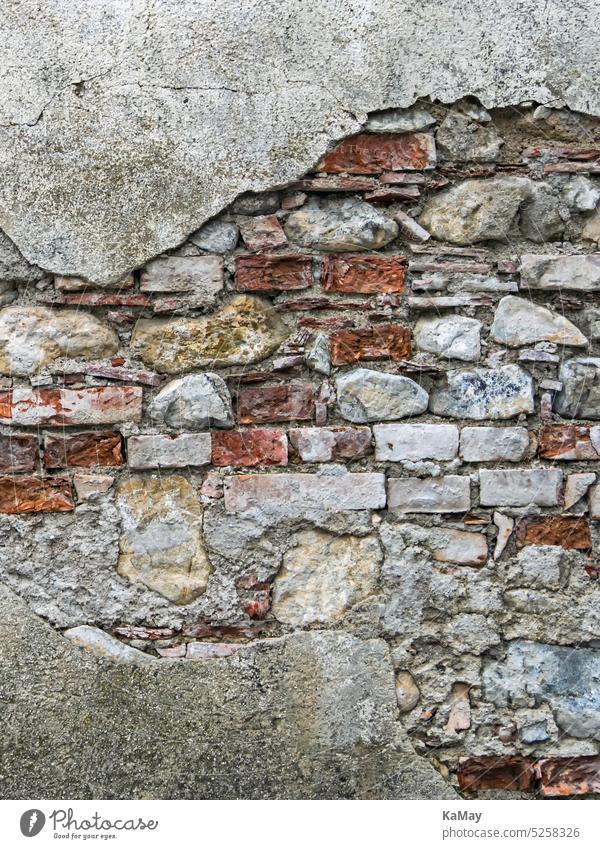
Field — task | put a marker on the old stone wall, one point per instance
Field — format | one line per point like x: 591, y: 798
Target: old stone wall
x: 362, y: 402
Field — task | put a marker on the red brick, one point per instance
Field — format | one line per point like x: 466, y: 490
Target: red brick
x: 90, y: 406
x: 497, y: 773
x: 262, y: 233
x: 337, y: 184
x: 273, y: 273
x: 82, y: 449
x: 35, y: 495
x: 324, y: 444
x: 372, y: 154
x: 18, y: 453
x: 566, y: 442
x: 570, y: 776
x: 99, y: 299
x: 364, y: 274
x: 290, y: 402
x: 566, y: 531
x: 381, y: 342
x: 256, y: 447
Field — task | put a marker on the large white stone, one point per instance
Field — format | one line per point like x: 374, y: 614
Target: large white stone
x: 518, y: 321
x: 365, y: 395
x: 520, y: 487
x: 450, y: 494
x: 415, y: 442
x: 580, y: 272
x: 195, y: 401
x: 454, y: 336
x: 483, y: 444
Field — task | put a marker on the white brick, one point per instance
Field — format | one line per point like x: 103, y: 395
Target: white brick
x: 194, y: 274
x: 415, y: 442
x: 520, y: 487
x: 450, y: 494
x: 155, y: 451
x: 482, y: 444
x: 295, y: 494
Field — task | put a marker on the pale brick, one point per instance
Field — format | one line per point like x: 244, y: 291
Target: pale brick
x: 295, y: 494
x: 519, y: 487
x: 483, y: 444
x: 162, y: 451
x: 415, y: 442
x: 450, y: 494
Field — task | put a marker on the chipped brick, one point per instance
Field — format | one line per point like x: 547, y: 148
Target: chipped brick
x: 35, y: 495
x: 365, y: 275
x: 372, y: 154
x: 262, y: 233
x: 497, y: 773
x: 290, y: 402
x: 566, y: 531
x: 570, y: 776
x: 566, y: 442
x: 90, y: 406
x: 380, y: 342
x: 18, y: 453
x: 82, y: 449
x: 273, y: 273
x: 254, y: 447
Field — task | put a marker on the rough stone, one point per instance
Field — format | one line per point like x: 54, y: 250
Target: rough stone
x: 200, y: 276
x: 161, y: 542
x: 499, y: 393
x: 365, y: 396
x: 581, y: 195
x: 486, y: 444
x: 372, y: 154
x: 324, y: 575
x: 89, y: 487
x: 261, y: 203
x: 263, y: 233
x: 579, y: 272
x: 475, y: 211
x: 455, y: 336
x: 565, y: 677
x: 340, y: 225
x: 14, y: 268
x: 505, y: 527
x: 216, y: 237
x: 450, y: 494
x: 101, y: 644
x: 409, y: 120
x: 518, y: 321
x: 520, y: 487
x: 580, y: 396
x: 168, y: 451
x: 244, y: 331
x: 576, y: 488
x: 407, y: 692
x: 18, y: 453
x: 540, y: 219
x: 415, y: 442
x: 193, y: 402
x: 464, y: 140
x: 34, y: 337
x: 318, y: 354
x: 450, y: 546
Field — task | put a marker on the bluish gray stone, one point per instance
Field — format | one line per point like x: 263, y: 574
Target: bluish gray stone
x: 483, y: 393
x: 580, y: 395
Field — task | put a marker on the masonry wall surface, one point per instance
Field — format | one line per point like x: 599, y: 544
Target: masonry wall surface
x: 299, y: 402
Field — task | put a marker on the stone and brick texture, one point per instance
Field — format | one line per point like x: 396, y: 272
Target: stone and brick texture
x: 366, y: 401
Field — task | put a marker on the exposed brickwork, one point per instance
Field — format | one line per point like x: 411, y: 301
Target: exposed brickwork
x: 35, y: 495
x: 566, y: 531
x: 18, y: 453
x: 366, y: 275
x: 83, y: 449
x: 367, y: 154
x: 294, y: 402
x: 381, y: 342
x: 273, y: 273
x: 253, y: 447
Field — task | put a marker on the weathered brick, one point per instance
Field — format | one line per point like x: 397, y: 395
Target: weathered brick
x: 415, y: 442
x: 194, y: 274
x: 100, y: 299
x: 101, y: 448
x: 570, y: 776
x: 483, y: 444
x: 91, y: 406
x: 364, y: 274
x: 380, y: 342
x: 295, y: 494
x: 168, y: 451
x: 519, y: 487
x: 254, y: 447
x: 35, y: 495
x: 323, y: 444
x: 203, y: 651
x: 262, y: 233
x: 566, y: 531
x: 566, y: 442
x: 449, y: 494
x: 273, y: 273
x: 371, y: 154
x: 18, y: 453
x: 497, y: 773
x: 291, y: 402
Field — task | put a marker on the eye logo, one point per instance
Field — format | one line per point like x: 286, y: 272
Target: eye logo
x: 32, y: 822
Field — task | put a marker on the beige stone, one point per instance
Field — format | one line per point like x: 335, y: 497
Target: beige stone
x: 244, y: 331
x: 324, y: 575
x: 518, y: 321
x: 407, y: 692
x: 104, y: 645
x: 32, y: 338
x: 161, y: 542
